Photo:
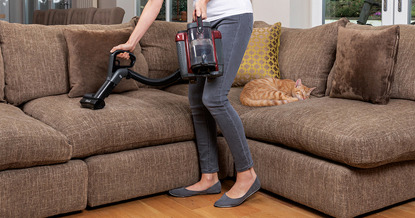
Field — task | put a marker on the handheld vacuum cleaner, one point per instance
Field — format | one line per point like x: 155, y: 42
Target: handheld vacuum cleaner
x: 199, y: 50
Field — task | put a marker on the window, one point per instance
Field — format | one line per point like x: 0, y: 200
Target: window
x: 172, y: 10
x: 370, y: 12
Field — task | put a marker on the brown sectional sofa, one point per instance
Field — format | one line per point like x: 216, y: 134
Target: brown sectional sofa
x: 342, y: 157
x: 79, y: 16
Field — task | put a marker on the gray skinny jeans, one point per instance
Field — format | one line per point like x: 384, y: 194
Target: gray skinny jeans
x: 210, y: 105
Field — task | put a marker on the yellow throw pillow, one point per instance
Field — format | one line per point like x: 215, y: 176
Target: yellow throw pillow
x: 261, y: 57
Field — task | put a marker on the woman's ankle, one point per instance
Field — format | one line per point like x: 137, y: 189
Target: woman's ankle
x: 210, y: 178
x: 246, y: 175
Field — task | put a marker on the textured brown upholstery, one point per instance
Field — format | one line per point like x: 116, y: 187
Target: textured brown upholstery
x: 39, y: 74
x: 108, y: 16
x: 43, y: 191
x: 40, y: 17
x: 132, y: 120
x: 402, y: 86
x: 352, y: 132
x: 136, y: 173
x: 130, y: 174
x: 88, y: 59
x: 26, y: 142
x: 159, y: 48
x: 79, y: 16
x: 233, y: 96
x: 332, y: 188
x: 309, y: 54
x: 1, y: 77
x: 354, y: 78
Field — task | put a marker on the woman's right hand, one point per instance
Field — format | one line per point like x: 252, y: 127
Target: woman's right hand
x: 126, y: 47
x: 200, y: 9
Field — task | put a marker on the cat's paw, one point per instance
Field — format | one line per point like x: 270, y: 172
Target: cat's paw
x: 292, y: 99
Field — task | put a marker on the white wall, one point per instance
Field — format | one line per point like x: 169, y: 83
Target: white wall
x: 272, y: 11
x: 129, y: 8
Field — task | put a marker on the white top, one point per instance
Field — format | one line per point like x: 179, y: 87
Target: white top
x: 217, y: 9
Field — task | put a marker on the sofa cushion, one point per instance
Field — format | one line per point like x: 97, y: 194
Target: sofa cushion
x: 88, y: 59
x: 80, y: 15
x: 44, y: 191
x: 1, y: 77
x: 365, y: 62
x: 261, y: 56
x: 35, y: 59
x: 402, y: 86
x: 131, y: 120
x: 233, y: 96
x: 26, y: 142
x: 159, y: 48
x: 309, y: 54
x: 356, y: 133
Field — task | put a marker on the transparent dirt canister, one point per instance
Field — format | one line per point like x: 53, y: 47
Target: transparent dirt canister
x: 202, y: 51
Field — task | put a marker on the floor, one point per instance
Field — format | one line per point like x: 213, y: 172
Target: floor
x: 263, y: 204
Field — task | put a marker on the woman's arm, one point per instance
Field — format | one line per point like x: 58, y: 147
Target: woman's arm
x: 149, y: 14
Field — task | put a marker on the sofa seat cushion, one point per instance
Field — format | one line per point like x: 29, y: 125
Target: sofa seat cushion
x: 355, y: 133
x: 233, y: 96
x: 131, y: 120
x: 26, y: 142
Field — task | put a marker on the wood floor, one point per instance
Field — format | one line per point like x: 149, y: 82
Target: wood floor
x: 262, y: 204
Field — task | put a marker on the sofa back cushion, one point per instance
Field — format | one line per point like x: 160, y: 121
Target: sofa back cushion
x: 402, y: 86
x: 309, y: 54
x: 159, y: 48
x: 35, y: 59
x: 354, y: 77
x: 1, y: 77
x: 88, y: 59
x: 80, y: 15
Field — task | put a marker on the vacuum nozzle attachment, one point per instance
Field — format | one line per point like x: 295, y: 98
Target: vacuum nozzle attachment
x: 89, y: 101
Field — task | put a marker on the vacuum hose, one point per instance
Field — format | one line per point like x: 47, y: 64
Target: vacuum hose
x: 116, y: 72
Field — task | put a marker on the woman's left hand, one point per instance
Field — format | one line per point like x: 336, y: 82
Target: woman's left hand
x: 200, y: 9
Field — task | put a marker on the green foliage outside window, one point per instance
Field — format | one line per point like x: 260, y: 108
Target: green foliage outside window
x: 349, y: 8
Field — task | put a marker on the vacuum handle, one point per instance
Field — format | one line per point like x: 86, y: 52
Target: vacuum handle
x: 199, y: 24
x: 115, y: 64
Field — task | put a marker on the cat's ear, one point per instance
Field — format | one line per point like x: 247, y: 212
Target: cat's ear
x: 311, y: 90
x: 298, y: 83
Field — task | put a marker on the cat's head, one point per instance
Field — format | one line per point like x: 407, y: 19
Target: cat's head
x: 301, y: 91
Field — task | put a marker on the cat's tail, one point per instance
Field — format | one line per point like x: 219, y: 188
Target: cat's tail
x: 263, y: 102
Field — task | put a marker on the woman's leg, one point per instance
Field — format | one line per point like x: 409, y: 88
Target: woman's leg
x: 209, y: 98
x: 236, y: 31
x: 206, y: 137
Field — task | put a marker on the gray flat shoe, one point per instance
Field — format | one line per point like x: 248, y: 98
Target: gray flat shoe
x: 183, y: 192
x: 226, y: 201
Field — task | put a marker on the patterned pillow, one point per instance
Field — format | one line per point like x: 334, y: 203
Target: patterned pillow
x: 261, y: 57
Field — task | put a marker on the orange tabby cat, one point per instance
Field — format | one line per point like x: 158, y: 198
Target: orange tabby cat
x: 271, y: 91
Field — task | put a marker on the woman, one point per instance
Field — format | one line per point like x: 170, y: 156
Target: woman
x: 209, y: 102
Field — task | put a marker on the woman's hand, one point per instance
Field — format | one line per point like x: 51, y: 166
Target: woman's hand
x: 200, y: 9
x: 126, y: 47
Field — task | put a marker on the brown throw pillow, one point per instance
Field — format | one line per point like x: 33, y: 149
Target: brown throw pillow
x: 364, y: 66
x: 403, y: 81
x: 89, y: 52
x: 35, y: 59
x: 309, y: 54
